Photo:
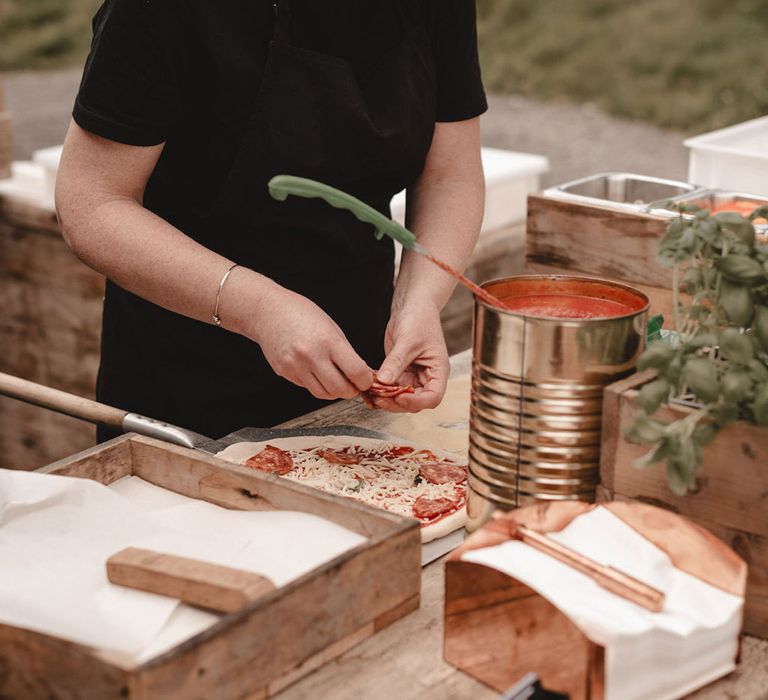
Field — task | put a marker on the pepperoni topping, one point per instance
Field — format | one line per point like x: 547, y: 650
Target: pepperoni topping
x: 442, y: 473
x: 339, y: 456
x: 430, y: 508
x: 384, y: 391
x: 272, y: 460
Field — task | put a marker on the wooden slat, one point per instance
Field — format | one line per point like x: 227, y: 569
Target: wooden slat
x: 596, y: 240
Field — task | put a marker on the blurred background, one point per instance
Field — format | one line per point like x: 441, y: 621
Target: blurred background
x: 591, y: 84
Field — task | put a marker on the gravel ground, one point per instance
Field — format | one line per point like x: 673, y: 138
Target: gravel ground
x: 578, y: 140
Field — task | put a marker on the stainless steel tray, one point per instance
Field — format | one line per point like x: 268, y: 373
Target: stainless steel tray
x: 709, y: 199
x: 624, y: 191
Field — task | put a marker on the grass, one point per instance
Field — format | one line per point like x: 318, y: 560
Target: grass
x: 687, y: 64
x: 44, y: 33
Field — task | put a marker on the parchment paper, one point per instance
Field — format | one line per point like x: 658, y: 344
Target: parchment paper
x: 56, y: 534
x: 648, y: 655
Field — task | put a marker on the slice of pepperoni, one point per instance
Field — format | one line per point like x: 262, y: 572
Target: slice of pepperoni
x: 398, y: 451
x: 430, y: 508
x: 339, y: 456
x: 442, y: 473
x: 272, y: 460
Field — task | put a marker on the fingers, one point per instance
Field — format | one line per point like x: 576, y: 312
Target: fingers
x: 352, y: 366
x: 394, y: 365
x: 334, y: 382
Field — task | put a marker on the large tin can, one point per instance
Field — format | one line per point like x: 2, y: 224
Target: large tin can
x: 537, y: 392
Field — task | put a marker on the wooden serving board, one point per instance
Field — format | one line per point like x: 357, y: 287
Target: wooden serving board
x: 259, y: 649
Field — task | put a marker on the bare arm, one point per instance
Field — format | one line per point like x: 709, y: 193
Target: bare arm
x: 445, y: 210
x: 99, y: 195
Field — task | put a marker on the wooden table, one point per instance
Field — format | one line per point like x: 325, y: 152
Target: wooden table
x: 405, y: 660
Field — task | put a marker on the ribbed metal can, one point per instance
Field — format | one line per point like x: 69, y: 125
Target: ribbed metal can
x: 537, y: 392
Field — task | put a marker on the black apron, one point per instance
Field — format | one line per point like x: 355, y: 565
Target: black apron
x: 312, y: 117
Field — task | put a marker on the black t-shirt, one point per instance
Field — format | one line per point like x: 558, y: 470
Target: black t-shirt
x: 187, y: 72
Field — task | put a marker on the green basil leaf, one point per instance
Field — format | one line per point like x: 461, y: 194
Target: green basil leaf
x: 645, y: 430
x: 736, y: 301
x: 741, y: 268
x: 655, y: 356
x: 760, y: 326
x: 736, y: 346
x: 653, y: 394
x: 736, y: 385
x: 704, y: 433
x: 736, y: 225
x: 760, y: 405
x: 700, y: 375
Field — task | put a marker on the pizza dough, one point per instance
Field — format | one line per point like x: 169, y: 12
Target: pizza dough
x: 395, y: 489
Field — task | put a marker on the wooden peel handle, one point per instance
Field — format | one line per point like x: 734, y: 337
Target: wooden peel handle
x: 61, y: 401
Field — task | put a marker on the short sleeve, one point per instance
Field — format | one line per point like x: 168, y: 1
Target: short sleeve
x: 132, y: 81
x: 460, y: 93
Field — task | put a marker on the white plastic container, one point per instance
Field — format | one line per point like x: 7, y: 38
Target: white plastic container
x: 49, y: 159
x: 509, y: 178
x: 735, y: 158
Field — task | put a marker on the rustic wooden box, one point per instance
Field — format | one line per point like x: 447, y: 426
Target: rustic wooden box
x: 577, y: 238
x: 50, y: 331
x: 260, y: 649
x: 731, y: 495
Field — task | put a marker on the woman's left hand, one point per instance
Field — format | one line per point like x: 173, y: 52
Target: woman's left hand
x: 417, y: 357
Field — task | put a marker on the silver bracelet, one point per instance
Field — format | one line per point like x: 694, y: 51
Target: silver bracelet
x: 216, y: 317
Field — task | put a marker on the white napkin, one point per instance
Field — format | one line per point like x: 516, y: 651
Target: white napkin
x: 692, y: 641
x: 56, y: 534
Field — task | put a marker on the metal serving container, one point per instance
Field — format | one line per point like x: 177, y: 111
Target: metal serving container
x: 537, y: 393
x: 625, y: 191
x: 711, y: 199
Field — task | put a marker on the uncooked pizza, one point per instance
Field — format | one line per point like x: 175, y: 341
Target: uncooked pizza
x: 420, y: 483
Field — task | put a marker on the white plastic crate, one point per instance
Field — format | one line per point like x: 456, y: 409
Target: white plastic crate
x: 735, y: 158
x: 509, y: 178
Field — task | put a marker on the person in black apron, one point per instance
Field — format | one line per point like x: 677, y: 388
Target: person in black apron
x: 364, y: 125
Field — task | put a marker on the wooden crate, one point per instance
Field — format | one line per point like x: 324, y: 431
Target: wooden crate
x: 50, y: 331
x: 260, y: 649
x: 731, y: 494
x: 497, y: 629
x: 569, y: 237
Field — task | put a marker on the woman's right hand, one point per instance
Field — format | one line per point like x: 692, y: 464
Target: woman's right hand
x: 300, y: 341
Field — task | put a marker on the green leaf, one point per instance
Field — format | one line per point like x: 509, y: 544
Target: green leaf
x: 692, y: 279
x: 701, y: 340
x: 736, y: 385
x: 758, y: 371
x: 760, y: 405
x: 736, y: 346
x: 655, y: 356
x: 645, y: 430
x: 741, y: 268
x: 737, y: 225
x: 700, y: 376
x: 760, y: 326
x: 736, y: 301
x: 653, y: 394
x: 653, y: 457
x: 704, y: 432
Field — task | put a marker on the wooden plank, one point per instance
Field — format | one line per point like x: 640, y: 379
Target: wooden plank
x: 596, y: 240
x: 731, y: 487
x: 200, y: 583
x: 6, y: 142
x: 104, y: 463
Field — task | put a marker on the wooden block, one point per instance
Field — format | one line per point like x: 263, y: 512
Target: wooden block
x: 200, y: 583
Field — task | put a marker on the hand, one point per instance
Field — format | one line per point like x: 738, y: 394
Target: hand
x: 304, y: 345
x: 417, y: 357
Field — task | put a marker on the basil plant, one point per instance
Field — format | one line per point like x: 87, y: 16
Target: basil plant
x: 717, y: 359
